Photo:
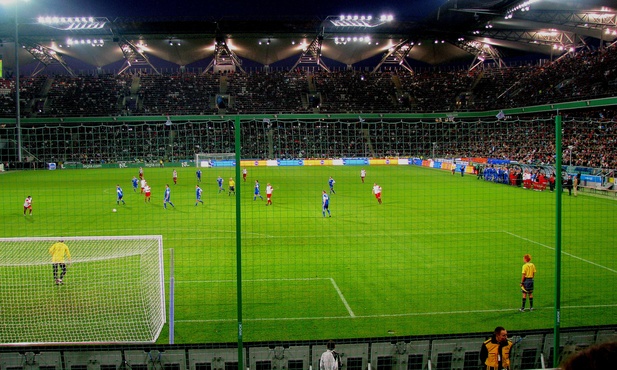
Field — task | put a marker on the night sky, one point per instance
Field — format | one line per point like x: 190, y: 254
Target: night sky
x: 403, y: 10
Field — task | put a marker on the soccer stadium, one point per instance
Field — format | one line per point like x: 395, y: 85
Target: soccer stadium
x: 300, y: 190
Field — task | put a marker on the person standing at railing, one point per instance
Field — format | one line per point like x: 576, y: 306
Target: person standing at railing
x: 495, y: 352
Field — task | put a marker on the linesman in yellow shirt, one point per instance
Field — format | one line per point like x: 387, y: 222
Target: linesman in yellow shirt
x: 59, y: 251
x: 232, y: 186
x: 529, y: 272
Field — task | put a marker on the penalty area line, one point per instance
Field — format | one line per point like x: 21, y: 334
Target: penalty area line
x: 342, y: 297
x: 336, y: 287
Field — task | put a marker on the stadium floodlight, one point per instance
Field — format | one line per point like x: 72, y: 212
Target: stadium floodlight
x: 113, y: 291
x: 343, y: 40
x: 524, y: 6
x: 73, y: 23
x: 366, y: 21
x: 92, y: 42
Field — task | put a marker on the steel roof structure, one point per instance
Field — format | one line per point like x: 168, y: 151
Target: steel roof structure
x: 463, y: 31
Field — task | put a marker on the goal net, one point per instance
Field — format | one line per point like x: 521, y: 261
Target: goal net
x: 112, y: 292
x: 215, y: 159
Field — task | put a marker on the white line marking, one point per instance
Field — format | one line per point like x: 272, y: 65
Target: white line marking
x: 338, y: 290
x: 340, y: 294
x: 248, y: 280
x: 513, y: 310
x: 562, y: 252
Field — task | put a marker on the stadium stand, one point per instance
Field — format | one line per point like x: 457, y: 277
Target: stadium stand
x: 518, y: 139
x: 584, y: 75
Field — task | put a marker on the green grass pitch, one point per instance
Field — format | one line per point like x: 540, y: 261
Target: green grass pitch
x: 442, y: 254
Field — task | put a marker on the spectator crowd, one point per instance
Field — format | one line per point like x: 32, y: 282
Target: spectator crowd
x: 589, y: 137
x: 576, y: 76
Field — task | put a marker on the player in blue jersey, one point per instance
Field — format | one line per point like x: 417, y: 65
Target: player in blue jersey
x: 198, y: 174
x: 325, y: 204
x: 219, y: 181
x: 331, y: 183
x: 135, y: 183
x: 167, y: 197
x: 198, y: 196
x: 119, y: 194
x: 257, y: 192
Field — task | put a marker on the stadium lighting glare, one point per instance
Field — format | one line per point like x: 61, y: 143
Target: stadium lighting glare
x: 524, y: 6
x: 359, y: 20
x: 343, y: 40
x: 601, y: 16
x: 549, y: 33
x: 92, y: 42
x: 73, y: 23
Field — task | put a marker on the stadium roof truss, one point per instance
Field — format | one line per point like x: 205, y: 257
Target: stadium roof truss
x: 481, y: 51
x: 397, y: 55
x: 133, y: 56
x: 487, y: 30
x: 312, y: 54
x: 223, y: 56
x: 46, y: 57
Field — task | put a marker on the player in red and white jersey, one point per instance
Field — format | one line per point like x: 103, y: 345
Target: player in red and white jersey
x: 147, y: 191
x: 28, y: 205
x: 377, y: 192
x: 269, y: 190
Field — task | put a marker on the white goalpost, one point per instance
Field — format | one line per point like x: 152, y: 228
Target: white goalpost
x: 214, y: 159
x: 112, y: 292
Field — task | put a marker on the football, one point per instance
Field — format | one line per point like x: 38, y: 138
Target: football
x: 113, y: 210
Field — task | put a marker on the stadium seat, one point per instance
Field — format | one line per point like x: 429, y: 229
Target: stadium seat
x: 526, y: 352
x: 456, y: 354
x: 353, y: 356
x: 31, y: 361
x: 400, y: 355
x: 93, y: 360
x: 568, y: 344
x: 606, y: 336
x: 279, y: 357
x: 214, y: 359
x: 156, y: 360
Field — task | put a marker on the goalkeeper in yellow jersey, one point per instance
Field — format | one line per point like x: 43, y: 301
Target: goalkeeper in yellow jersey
x: 59, y: 251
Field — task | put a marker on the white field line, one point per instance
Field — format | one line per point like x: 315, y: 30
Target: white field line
x: 353, y: 315
x: 340, y: 294
x: 562, y: 252
x: 338, y: 290
x: 418, y: 314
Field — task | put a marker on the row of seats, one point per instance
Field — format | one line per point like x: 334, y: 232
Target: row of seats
x: 531, y: 351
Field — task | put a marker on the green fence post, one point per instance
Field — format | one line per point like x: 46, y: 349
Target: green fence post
x: 238, y: 242
x: 558, y: 185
